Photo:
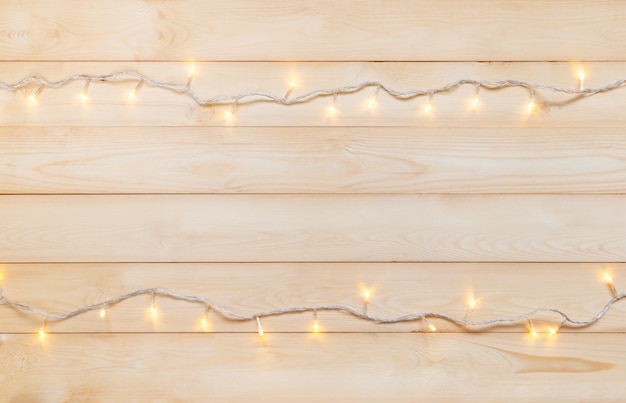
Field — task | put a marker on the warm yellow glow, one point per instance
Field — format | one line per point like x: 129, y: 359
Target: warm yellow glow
x: 366, y: 295
x: 132, y: 93
x: 332, y: 109
x: 432, y: 327
x: 258, y: 323
x: 372, y: 102
x: 83, y: 96
x: 292, y: 85
x: 229, y: 114
x: 428, y: 107
x: 608, y: 279
x: 204, y: 322
x: 531, y: 105
x: 552, y: 331
x: 32, y: 98
x: 153, y: 310
x: 533, y: 332
x: 316, y: 327
x: 103, y: 312
x: 42, y: 333
x: 475, y: 101
x: 471, y: 304
x: 581, y: 75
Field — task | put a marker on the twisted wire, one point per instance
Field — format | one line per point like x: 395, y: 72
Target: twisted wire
x: 285, y: 100
x: 228, y: 314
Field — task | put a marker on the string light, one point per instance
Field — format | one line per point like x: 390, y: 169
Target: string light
x: 153, y: 309
x: 34, y: 95
x: 531, y: 329
x: 190, y: 78
x: 205, y: 318
x: 581, y: 80
x: 470, y: 307
x: 431, y: 327
x: 256, y: 95
x: 259, y: 327
x: 135, y: 90
x: 372, y: 102
x: 475, y: 99
x: 43, y: 329
x: 83, y: 93
x: 429, y: 104
x: 103, y: 312
x: 366, y: 299
x: 609, y: 281
x: 315, y: 308
x: 316, y: 327
x: 332, y: 109
x: 290, y: 88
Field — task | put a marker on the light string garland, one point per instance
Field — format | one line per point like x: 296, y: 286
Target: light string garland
x: 423, y: 316
x: 235, y: 100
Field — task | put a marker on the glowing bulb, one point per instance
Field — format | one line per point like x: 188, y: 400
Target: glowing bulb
x: 132, y: 94
x: 316, y: 327
x: 581, y: 79
x: 205, y: 318
x: 366, y: 295
x: 472, y: 303
x: 552, y: 331
x: 432, y: 327
x: 229, y: 114
x: 153, y: 310
x: 372, y: 102
x: 83, y: 96
x: 531, y: 105
x: 42, y: 333
x: 428, y: 107
x: 475, y: 101
x: 533, y: 332
x: 83, y: 93
x: 103, y: 312
x: 332, y: 109
x: 608, y: 279
x: 292, y: 85
x: 32, y: 98
x: 260, y: 328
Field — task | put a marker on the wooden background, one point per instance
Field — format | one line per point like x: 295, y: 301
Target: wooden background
x: 286, y: 206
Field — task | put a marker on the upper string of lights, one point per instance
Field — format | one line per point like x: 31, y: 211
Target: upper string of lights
x: 209, y: 306
x: 235, y: 100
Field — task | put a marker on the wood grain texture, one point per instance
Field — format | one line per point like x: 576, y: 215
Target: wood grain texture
x: 500, y: 289
x: 343, y: 367
x: 110, y: 105
x: 311, y: 160
x: 318, y: 228
x: 313, y: 30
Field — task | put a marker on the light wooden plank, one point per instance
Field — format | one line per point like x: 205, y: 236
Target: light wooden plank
x: 110, y: 105
x: 317, y: 228
x: 499, y: 289
x: 311, y: 160
x: 227, y: 367
x: 313, y: 30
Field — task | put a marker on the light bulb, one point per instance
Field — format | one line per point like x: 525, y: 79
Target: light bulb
x: 531, y: 105
x: 32, y: 98
x: 552, y: 331
x: 260, y: 328
x: 332, y: 109
x: 42, y: 333
x: 608, y: 279
x: 475, y: 101
x: 316, y: 327
x: 153, y: 310
x: 372, y: 102
x: 472, y: 304
x: 581, y: 79
x: 428, y: 107
x: 83, y: 96
x: 292, y: 85
x: 103, y: 312
x: 366, y: 295
x: 229, y: 114
x: 432, y: 327
x: 533, y: 332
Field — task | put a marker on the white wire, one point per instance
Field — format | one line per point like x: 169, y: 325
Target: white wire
x: 228, y: 314
x: 284, y: 100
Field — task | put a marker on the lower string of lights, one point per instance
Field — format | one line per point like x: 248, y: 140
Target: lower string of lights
x: 233, y: 101
x: 209, y: 306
